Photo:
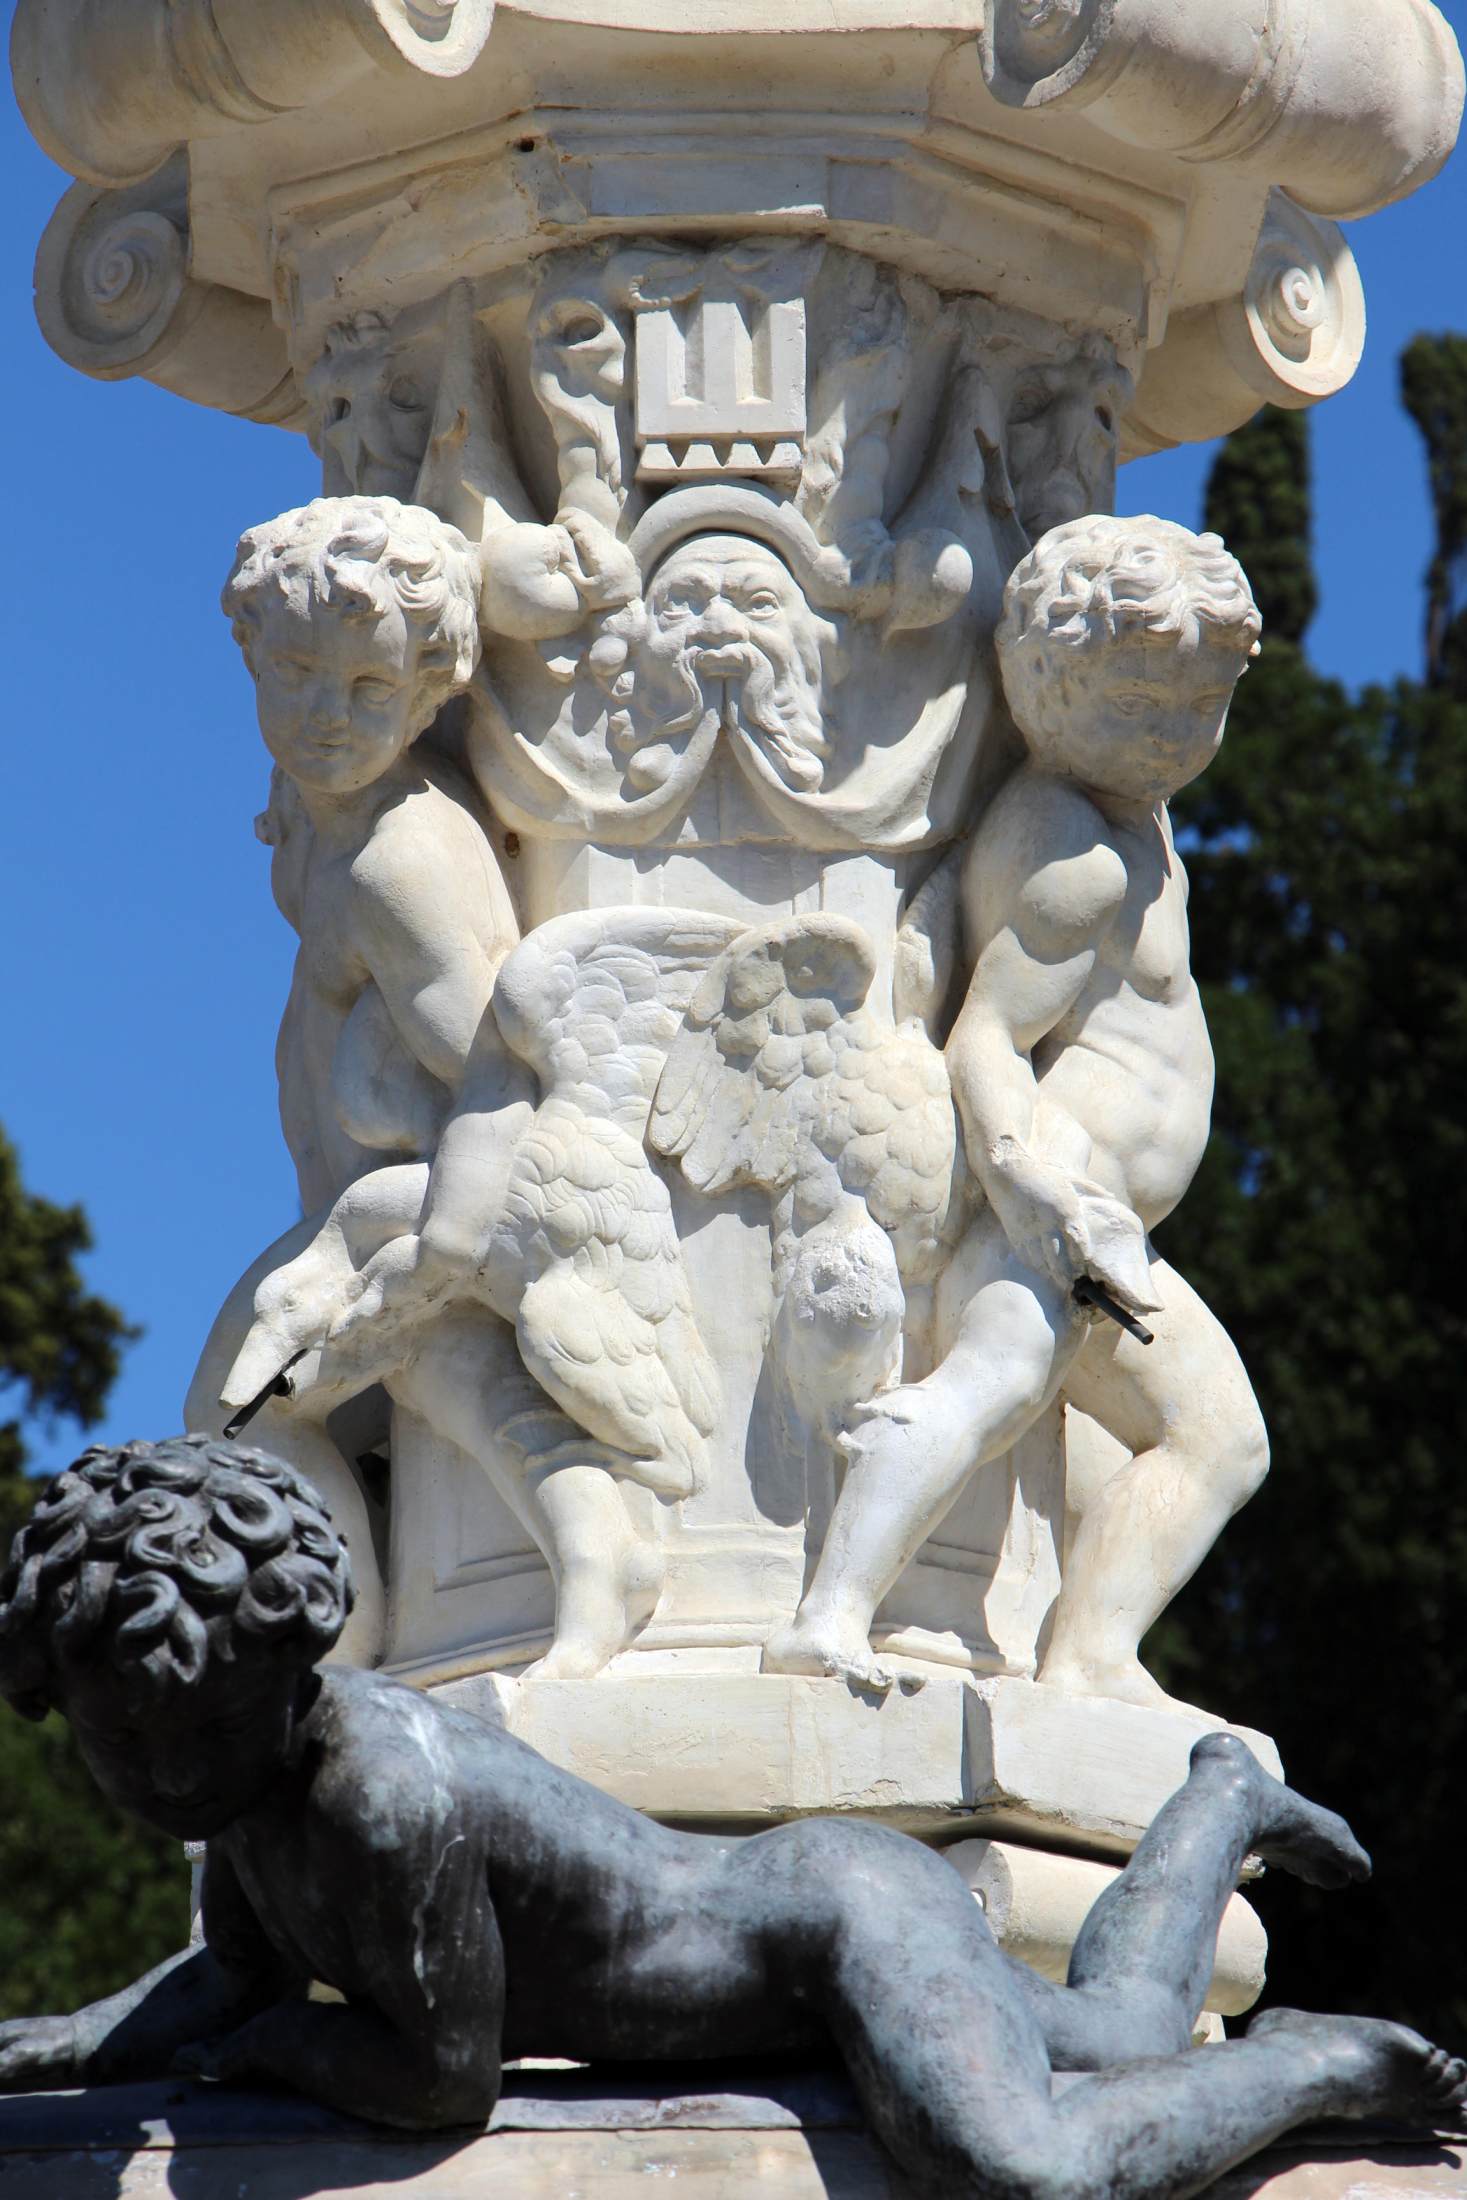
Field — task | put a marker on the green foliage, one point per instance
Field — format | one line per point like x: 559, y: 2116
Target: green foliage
x: 87, y: 1899
x: 1328, y: 1227
x: 1259, y: 494
x: 1434, y: 387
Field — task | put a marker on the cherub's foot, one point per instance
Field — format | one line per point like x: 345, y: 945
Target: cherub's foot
x: 1368, y: 2067
x: 828, y: 1652
x: 600, y: 1609
x: 1124, y: 1681
x: 1301, y: 1837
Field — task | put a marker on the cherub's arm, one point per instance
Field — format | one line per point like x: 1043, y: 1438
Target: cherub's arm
x: 419, y: 891
x: 421, y: 2046
x: 1045, y: 887
x: 137, y: 2033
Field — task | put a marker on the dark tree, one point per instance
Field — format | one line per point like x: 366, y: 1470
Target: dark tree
x: 87, y: 1899
x: 1328, y: 1227
x: 1434, y: 386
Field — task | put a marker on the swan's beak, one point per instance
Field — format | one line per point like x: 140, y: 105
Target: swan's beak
x: 263, y: 1357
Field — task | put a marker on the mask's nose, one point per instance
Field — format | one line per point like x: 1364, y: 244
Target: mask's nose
x: 721, y: 623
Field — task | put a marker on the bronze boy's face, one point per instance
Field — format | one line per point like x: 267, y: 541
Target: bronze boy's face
x: 186, y: 1759
x: 339, y: 698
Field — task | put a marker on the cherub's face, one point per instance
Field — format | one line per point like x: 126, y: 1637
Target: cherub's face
x: 186, y: 1759
x: 339, y: 698
x: 1132, y: 718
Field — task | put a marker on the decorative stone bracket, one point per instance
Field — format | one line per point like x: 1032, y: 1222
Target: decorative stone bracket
x: 114, y: 297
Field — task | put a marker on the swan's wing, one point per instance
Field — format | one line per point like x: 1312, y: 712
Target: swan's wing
x: 745, y: 1077
x: 890, y: 1128
x: 606, y: 1323
x: 592, y: 1000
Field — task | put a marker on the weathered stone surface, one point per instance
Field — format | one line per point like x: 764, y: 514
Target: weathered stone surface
x: 800, y: 2141
x: 750, y: 1748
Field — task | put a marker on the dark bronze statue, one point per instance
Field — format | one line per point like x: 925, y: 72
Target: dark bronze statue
x: 474, y: 1904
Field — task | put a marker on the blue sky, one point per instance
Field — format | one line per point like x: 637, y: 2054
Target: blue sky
x: 142, y: 963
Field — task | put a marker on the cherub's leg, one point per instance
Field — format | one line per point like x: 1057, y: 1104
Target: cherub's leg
x: 465, y: 1377
x: 303, y: 1443
x: 1184, y: 1407
x: 913, y: 1448
x: 953, y: 2071
x: 608, y: 1571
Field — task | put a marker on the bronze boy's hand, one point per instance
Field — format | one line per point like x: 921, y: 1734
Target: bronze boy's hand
x: 38, y: 2054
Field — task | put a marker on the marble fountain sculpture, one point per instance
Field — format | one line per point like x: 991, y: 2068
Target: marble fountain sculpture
x: 742, y: 1036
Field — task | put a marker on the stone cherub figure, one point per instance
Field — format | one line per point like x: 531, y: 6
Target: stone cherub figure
x: 526, y: 1294
x: 358, y: 618
x: 1083, y: 1078
x: 471, y: 1903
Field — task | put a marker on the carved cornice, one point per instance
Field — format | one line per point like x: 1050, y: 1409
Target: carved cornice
x: 1346, y: 106
x: 111, y: 87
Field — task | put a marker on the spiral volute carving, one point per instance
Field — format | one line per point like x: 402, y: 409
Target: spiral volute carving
x: 122, y: 275
x: 1304, y: 306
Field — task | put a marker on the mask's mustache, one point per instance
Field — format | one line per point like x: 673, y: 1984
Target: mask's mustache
x: 777, y: 705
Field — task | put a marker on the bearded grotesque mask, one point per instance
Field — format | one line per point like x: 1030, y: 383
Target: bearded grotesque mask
x: 728, y: 633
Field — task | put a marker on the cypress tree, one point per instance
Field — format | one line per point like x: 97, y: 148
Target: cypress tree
x: 1326, y: 1227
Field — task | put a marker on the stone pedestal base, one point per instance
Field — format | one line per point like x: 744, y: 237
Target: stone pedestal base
x: 745, y: 1749
x: 797, y: 2138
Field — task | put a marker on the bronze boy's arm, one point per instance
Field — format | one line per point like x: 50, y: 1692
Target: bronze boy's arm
x: 138, y: 2032
x: 421, y: 2046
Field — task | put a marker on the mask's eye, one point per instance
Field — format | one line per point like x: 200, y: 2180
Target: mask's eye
x: 404, y: 394
x: 337, y: 411
x: 764, y: 604
x: 372, y: 692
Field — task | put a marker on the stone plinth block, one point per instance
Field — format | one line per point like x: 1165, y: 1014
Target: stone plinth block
x: 796, y: 2137
x: 750, y: 1749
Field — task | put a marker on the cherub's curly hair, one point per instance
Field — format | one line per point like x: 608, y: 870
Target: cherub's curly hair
x: 161, y: 1556
x: 1100, y: 579
x: 360, y: 554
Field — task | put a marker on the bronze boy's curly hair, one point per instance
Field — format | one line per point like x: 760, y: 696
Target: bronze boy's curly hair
x: 161, y: 1556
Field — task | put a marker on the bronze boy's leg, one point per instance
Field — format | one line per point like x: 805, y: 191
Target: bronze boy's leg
x: 952, y: 2050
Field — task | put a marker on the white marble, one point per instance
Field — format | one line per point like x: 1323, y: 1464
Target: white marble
x: 722, y: 752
